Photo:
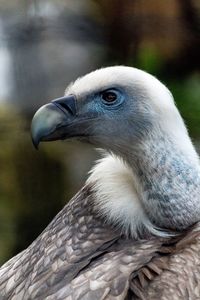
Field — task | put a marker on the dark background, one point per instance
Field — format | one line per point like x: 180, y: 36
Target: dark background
x: 45, y: 44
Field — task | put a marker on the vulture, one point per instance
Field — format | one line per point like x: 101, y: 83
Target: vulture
x: 132, y: 231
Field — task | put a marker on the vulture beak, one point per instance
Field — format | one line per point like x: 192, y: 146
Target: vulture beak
x: 50, y: 122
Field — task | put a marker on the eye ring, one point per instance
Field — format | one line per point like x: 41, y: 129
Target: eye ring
x: 109, y: 97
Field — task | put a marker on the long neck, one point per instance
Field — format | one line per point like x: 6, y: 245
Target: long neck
x: 169, y: 182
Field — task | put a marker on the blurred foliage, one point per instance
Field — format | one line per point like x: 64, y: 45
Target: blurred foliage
x: 149, y: 59
x: 187, y: 96
x: 44, y: 45
x: 24, y: 185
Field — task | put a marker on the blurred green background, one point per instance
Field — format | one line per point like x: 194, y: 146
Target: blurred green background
x: 45, y: 44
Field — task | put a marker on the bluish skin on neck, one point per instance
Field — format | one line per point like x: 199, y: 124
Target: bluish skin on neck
x: 170, y: 184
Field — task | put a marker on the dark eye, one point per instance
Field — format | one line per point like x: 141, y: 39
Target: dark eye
x: 109, y: 96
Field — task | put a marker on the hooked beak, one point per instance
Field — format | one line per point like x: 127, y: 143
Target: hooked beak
x: 50, y: 121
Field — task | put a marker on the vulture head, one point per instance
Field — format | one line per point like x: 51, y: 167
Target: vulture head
x: 113, y: 108
x: 150, y: 178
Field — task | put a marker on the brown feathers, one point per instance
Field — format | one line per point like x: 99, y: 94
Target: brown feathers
x: 164, y: 270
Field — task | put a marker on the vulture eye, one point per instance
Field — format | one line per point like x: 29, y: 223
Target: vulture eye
x: 109, y: 97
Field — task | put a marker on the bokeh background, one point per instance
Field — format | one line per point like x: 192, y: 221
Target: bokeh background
x: 44, y: 45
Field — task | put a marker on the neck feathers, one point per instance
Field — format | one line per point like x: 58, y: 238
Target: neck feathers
x: 156, y: 191
x: 118, y: 197
x: 170, y: 180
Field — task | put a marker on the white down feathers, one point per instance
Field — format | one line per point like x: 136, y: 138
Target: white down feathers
x: 117, y: 197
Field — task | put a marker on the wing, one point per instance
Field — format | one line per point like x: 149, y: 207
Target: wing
x: 79, y: 257
x: 108, y: 276
x: 179, y: 272
x: 65, y: 247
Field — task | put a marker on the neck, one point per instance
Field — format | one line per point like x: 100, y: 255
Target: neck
x: 169, y: 181
x: 153, y: 189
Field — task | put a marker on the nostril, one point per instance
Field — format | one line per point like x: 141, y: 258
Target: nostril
x: 65, y: 106
x: 67, y: 103
x: 62, y: 107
